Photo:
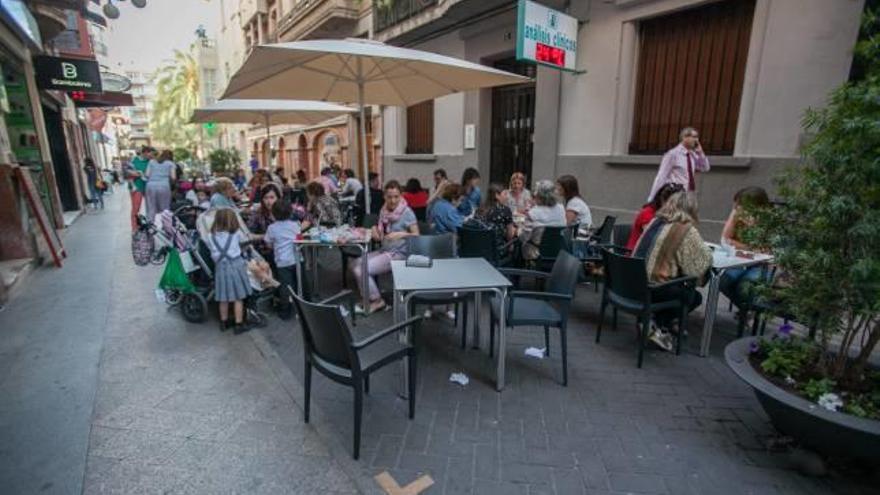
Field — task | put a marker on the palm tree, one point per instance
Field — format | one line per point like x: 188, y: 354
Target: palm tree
x: 177, y: 96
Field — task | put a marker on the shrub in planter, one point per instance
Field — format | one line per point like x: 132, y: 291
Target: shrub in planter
x: 825, y: 236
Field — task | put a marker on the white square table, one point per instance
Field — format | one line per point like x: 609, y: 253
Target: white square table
x: 463, y: 275
x: 721, y: 262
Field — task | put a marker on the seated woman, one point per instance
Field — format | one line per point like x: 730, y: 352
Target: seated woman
x: 396, y: 222
x: 469, y: 192
x: 736, y: 283
x: 576, y: 209
x: 225, y: 194
x: 672, y: 247
x: 261, y: 217
x: 646, y: 214
x: 519, y: 199
x: 496, y: 215
x: 444, y: 215
x: 546, y: 211
x: 414, y: 195
x: 323, y: 210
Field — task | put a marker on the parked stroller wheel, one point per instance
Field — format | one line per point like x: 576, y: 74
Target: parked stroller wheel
x: 173, y: 296
x: 194, y: 307
x: 159, y: 256
x: 256, y: 318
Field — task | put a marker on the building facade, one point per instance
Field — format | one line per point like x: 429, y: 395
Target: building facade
x: 741, y: 71
x: 310, y: 148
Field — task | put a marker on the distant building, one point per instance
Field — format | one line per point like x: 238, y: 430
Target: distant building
x: 308, y: 148
x: 143, y: 92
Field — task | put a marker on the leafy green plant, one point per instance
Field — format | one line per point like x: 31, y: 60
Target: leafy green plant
x: 224, y: 161
x: 826, y: 233
x: 817, y: 388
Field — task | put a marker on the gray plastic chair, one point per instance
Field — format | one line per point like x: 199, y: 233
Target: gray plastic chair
x: 546, y: 308
x: 330, y: 348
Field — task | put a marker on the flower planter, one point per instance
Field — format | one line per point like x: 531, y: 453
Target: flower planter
x: 832, y: 434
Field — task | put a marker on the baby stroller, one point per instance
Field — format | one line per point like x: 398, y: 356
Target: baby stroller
x: 195, y: 256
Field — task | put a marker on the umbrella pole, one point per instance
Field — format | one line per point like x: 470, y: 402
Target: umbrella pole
x: 269, y: 143
x: 363, y: 133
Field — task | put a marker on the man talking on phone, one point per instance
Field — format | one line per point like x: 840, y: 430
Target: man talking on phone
x: 680, y: 164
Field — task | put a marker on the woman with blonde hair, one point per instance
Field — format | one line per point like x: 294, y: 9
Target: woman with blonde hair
x: 519, y: 198
x: 672, y: 247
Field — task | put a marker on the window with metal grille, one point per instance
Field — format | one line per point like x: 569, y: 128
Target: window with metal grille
x: 690, y: 73
x: 420, y: 128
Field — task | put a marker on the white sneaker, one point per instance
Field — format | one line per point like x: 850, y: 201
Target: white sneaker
x: 450, y: 314
x: 662, y: 339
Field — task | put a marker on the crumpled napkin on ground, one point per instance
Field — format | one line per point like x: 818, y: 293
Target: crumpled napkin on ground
x: 459, y: 378
x: 535, y: 352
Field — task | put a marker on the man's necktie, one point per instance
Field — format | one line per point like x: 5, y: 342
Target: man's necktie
x: 692, y: 185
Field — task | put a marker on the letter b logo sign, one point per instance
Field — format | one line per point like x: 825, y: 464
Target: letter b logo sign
x: 69, y: 70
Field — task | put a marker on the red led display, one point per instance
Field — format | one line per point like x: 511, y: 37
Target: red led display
x: 550, y: 55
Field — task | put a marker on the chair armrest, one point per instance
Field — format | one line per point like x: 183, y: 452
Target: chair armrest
x: 345, y: 294
x: 372, y: 339
x: 681, y: 281
x: 548, y: 296
x: 519, y: 272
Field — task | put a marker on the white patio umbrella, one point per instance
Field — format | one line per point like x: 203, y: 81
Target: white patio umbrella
x: 356, y: 70
x: 269, y: 112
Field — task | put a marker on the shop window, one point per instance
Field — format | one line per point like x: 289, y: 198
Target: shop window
x: 420, y: 128
x: 690, y: 73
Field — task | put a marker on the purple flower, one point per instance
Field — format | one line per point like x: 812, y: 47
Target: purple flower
x: 753, y: 347
x: 785, y: 329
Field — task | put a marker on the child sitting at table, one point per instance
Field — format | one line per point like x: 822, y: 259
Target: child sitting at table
x: 280, y: 236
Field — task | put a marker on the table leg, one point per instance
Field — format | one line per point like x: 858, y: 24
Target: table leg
x: 299, y: 262
x: 365, y: 291
x: 401, y: 312
x: 502, y: 338
x: 478, y: 305
x: 709, y: 316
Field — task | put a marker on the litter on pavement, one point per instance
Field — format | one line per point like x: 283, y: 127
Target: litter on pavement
x: 459, y: 378
x: 536, y: 352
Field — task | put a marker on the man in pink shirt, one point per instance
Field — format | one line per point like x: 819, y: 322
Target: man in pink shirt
x: 680, y: 164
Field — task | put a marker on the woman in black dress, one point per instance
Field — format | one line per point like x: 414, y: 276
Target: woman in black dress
x: 496, y: 215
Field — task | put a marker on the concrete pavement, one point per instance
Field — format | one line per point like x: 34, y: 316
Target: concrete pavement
x: 105, y: 390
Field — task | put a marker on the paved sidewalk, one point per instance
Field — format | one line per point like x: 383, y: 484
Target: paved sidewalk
x: 680, y: 425
x: 107, y: 391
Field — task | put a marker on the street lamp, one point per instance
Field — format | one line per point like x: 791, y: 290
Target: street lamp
x: 112, y: 11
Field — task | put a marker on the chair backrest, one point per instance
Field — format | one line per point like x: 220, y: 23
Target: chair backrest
x: 326, y: 333
x: 552, y: 242
x: 421, y: 213
x: 621, y: 233
x: 425, y: 228
x: 475, y: 242
x: 563, y: 276
x: 625, y: 276
x: 603, y: 234
x: 433, y: 246
x: 370, y: 221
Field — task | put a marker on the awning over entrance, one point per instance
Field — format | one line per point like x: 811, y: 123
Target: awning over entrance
x: 102, y: 100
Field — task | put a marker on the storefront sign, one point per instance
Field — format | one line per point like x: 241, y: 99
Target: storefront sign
x: 68, y: 74
x: 546, y: 36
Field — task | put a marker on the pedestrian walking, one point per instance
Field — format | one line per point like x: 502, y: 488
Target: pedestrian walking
x: 135, y: 173
x: 96, y: 188
x: 680, y: 164
x: 231, y: 283
x: 160, y: 174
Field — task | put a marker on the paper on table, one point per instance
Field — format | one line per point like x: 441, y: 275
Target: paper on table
x: 459, y: 378
x: 536, y: 352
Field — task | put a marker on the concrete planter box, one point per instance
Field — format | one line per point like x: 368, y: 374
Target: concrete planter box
x: 833, y: 434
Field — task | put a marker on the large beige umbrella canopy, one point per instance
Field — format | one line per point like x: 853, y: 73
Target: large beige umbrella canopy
x: 269, y: 112
x: 358, y: 71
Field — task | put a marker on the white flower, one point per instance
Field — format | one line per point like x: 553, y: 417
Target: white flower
x: 789, y: 380
x: 830, y: 401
